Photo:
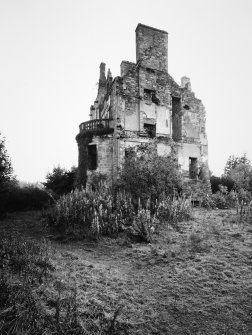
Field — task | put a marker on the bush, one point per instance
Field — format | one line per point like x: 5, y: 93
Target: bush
x: 60, y: 181
x: 143, y: 226
x: 87, y: 213
x: 148, y: 176
x: 208, y: 201
x: 224, y: 180
x: 27, y: 198
x: 220, y: 200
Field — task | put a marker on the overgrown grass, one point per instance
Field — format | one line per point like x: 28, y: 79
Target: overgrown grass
x: 195, y: 280
x: 34, y: 301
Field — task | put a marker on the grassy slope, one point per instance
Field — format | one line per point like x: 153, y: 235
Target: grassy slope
x: 195, y: 281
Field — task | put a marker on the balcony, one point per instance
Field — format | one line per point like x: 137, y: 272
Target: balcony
x: 97, y: 127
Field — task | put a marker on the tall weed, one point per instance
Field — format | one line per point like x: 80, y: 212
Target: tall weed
x: 174, y: 209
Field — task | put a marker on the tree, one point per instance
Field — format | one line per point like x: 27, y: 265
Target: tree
x: 7, y: 179
x: 233, y: 161
x: 60, y: 180
x: 241, y: 174
x: 6, y: 171
x: 239, y: 171
x: 146, y: 175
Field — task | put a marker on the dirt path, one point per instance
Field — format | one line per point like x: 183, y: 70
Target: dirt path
x: 195, y: 281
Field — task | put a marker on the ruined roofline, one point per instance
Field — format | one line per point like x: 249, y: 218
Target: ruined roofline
x: 128, y: 62
x: 152, y: 28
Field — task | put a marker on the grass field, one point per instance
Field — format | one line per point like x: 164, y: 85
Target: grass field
x: 194, y: 280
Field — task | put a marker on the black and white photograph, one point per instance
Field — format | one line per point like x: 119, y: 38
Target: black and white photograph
x: 125, y: 167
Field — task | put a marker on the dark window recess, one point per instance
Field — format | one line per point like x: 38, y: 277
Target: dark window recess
x: 150, y: 129
x: 176, y: 119
x: 150, y: 70
x: 92, y: 157
x: 150, y: 95
x: 129, y: 153
x: 186, y: 107
x: 193, y: 168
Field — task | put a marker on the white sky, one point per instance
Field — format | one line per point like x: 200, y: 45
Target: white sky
x: 50, y: 51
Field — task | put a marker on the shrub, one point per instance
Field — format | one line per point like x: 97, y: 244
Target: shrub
x: 143, y: 226
x: 224, y: 180
x: 208, y: 201
x: 220, y: 200
x: 87, y: 213
x: 148, y: 176
x: 60, y: 181
x: 96, y: 181
x: 27, y: 198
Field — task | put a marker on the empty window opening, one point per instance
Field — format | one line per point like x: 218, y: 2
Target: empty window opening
x: 92, y: 157
x: 150, y: 96
x: 176, y: 119
x: 186, y: 107
x: 129, y: 153
x: 193, y: 168
x: 150, y: 70
x: 150, y: 129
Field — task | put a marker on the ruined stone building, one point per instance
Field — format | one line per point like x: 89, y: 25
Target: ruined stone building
x: 142, y: 104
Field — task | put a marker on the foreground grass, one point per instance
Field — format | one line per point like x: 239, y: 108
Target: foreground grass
x: 197, y: 280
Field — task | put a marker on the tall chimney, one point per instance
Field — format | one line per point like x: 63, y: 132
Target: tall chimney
x: 152, y: 47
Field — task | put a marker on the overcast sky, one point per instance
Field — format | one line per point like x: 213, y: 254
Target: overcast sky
x: 50, y: 51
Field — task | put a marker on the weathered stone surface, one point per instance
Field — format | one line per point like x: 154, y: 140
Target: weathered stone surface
x: 144, y: 103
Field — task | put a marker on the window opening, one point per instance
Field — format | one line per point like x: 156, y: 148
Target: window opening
x: 92, y: 157
x: 193, y: 168
x: 150, y: 96
x: 150, y: 129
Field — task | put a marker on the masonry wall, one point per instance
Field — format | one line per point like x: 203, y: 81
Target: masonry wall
x: 104, y: 157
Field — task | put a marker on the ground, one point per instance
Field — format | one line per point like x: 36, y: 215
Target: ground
x: 196, y: 279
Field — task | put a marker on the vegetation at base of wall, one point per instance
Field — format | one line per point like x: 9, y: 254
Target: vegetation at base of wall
x: 143, y: 195
x: 90, y: 214
x: 146, y: 175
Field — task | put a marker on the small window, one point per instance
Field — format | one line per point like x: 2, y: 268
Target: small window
x: 150, y: 129
x: 92, y: 157
x: 150, y: 70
